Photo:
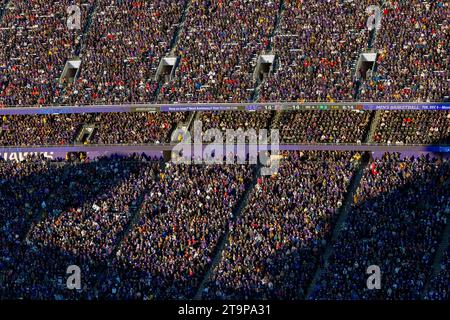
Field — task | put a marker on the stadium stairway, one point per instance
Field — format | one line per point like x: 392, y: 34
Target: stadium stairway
x: 176, y: 36
x: 136, y: 211
x: 371, y: 47
x: 86, y: 133
x: 444, y: 245
x: 184, y: 126
x: 103, y: 267
x: 224, y: 239
x: 374, y: 121
x: 346, y: 207
x: 189, y: 122
x: 280, y: 14
x: 374, y: 32
x: 194, y: 116
x: 276, y: 121
x: 37, y: 216
x: 81, y: 45
x: 269, y: 49
x: 344, y: 210
x: 86, y: 28
x: 174, y: 45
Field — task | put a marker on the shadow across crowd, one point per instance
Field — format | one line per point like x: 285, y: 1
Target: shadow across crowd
x: 143, y: 229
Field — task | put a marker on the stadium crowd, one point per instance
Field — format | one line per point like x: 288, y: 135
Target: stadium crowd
x: 217, y: 60
x: 34, y: 45
x: 396, y: 222
x: 323, y: 126
x: 26, y: 130
x: 235, y: 120
x: 413, y: 127
x: 110, y: 128
x: 413, y: 63
x: 274, y: 246
x: 123, y: 49
x: 143, y: 229
x: 438, y: 289
x: 317, y: 45
x: 60, y: 214
x: 167, y: 252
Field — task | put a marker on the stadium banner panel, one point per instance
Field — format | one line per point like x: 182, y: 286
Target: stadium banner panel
x: 262, y: 106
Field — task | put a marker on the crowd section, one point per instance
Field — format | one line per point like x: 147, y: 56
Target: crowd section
x: 438, y: 289
x: 413, y: 127
x: 26, y: 130
x: 166, y: 254
x: 57, y: 214
x: 218, y: 50
x: 316, y: 46
x: 274, y: 246
x: 35, y: 42
x: 323, y: 126
x: 110, y: 128
x: 236, y: 120
x: 413, y: 62
x: 141, y: 228
x: 327, y: 126
x: 399, y: 212
x: 123, y: 49
x: 136, y: 128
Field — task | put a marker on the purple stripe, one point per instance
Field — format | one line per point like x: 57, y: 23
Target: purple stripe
x: 283, y: 147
